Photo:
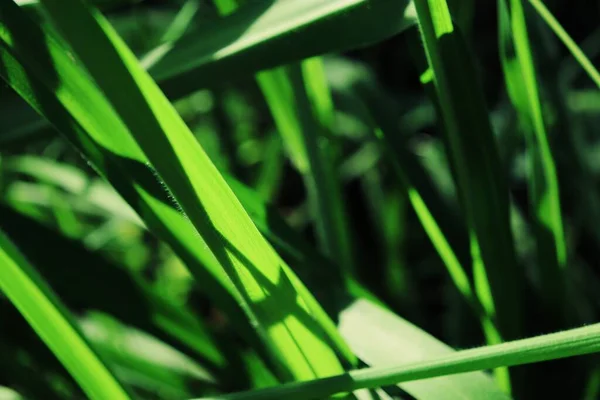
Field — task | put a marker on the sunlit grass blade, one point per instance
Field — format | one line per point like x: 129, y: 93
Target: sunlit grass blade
x: 120, y: 162
x: 293, y: 330
x: 543, y: 182
x: 382, y: 339
x: 143, y: 361
x: 301, y: 105
x: 569, y: 343
x: 364, y: 311
x: 257, y: 37
x: 48, y: 317
x: 132, y: 300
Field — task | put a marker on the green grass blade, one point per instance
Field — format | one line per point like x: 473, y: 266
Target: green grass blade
x: 301, y: 105
x: 480, y: 178
x: 382, y: 339
x: 575, y: 50
x: 472, y: 150
x: 258, y: 37
x: 117, y: 161
x: 120, y: 161
x: 544, y: 193
x: 48, y: 317
x: 569, y: 343
x: 303, y: 135
x: 332, y: 213
x: 132, y: 301
x: 174, y: 32
x: 296, y: 336
x: 407, y: 171
x: 367, y: 314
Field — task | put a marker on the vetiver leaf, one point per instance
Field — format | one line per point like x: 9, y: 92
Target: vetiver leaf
x: 304, y: 128
x: 119, y: 161
x: 29, y: 293
x: 131, y: 301
x: 568, y: 343
x: 296, y: 333
x: 544, y: 192
x: 393, y: 341
x: 578, y: 54
x: 481, y: 186
x: 259, y: 34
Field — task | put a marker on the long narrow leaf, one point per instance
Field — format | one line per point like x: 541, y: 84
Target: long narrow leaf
x: 482, y: 188
x: 568, y: 343
x: 259, y: 34
x: 544, y: 194
x: 575, y: 50
x: 295, y: 334
x: 48, y: 317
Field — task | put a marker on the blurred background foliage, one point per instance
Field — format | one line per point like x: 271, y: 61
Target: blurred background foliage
x: 127, y: 287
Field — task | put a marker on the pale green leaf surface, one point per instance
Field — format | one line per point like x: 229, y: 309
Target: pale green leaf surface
x: 569, y: 343
x: 382, y: 339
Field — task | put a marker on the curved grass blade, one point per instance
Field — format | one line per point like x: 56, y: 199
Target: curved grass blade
x: 521, y: 81
x: 48, y: 317
x: 292, y: 327
x: 266, y: 34
x: 569, y: 343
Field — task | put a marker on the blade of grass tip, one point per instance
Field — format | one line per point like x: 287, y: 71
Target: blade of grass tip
x: 543, y: 182
x: 298, y: 342
x: 575, y: 50
x: 569, y: 343
x: 383, y: 339
x: 480, y: 179
x: 48, y: 317
x: 302, y: 108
